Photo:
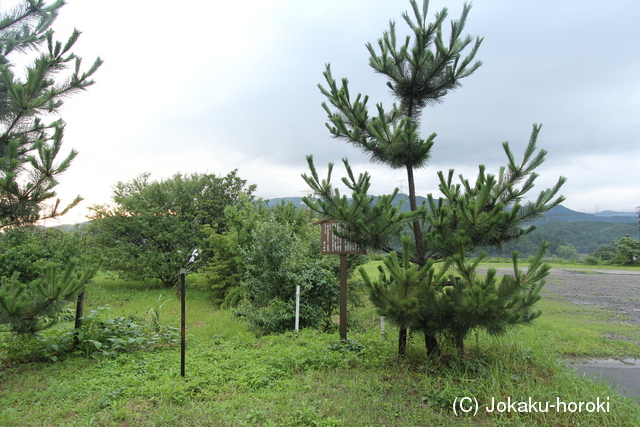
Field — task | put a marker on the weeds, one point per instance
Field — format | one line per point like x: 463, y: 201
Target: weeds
x: 236, y: 379
x: 97, y: 338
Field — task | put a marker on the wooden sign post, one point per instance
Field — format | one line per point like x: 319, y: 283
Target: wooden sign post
x: 334, y: 245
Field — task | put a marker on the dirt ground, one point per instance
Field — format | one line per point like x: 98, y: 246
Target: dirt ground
x: 618, y: 290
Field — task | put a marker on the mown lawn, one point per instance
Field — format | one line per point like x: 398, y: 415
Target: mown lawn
x: 235, y: 379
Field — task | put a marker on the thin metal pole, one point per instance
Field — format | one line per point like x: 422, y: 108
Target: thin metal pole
x: 183, y: 327
x: 343, y: 296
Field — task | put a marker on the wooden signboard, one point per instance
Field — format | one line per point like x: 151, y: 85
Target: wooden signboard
x: 334, y: 245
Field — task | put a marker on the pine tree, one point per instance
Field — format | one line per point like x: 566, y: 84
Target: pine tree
x: 488, y: 212
x: 30, y: 148
x: 419, y: 75
x: 401, y: 292
x: 30, y: 308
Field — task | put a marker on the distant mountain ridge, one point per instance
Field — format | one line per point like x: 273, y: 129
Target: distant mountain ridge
x: 558, y: 213
x: 562, y: 214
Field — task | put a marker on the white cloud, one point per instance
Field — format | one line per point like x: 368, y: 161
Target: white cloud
x: 203, y: 86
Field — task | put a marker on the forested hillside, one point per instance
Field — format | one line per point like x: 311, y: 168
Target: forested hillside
x: 585, y: 236
x: 560, y: 226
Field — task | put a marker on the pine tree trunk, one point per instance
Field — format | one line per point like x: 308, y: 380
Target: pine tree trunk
x: 417, y: 231
x: 431, y: 343
x: 458, y: 341
x: 402, y: 342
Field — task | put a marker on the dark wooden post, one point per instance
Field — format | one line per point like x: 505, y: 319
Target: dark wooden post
x: 183, y: 328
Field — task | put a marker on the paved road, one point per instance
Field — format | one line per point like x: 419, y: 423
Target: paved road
x: 623, y: 375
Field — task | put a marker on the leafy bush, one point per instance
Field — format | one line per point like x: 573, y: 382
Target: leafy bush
x: 285, y: 255
x: 28, y: 250
x: 627, y: 251
x: 605, y: 253
x: 567, y: 251
x: 96, y: 338
x: 591, y: 260
x: 223, y: 274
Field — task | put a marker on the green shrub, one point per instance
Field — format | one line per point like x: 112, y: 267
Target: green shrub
x: 28, y: 250
x: 591, y: 260
x: 605, y: 253
x: 96, y: 338
x: 568, y: 252
x: 627, y: 251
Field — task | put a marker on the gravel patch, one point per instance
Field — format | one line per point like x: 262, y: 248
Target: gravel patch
x: 618, y: 290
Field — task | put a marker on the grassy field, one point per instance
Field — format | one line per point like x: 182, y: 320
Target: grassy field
x: 235, y: 379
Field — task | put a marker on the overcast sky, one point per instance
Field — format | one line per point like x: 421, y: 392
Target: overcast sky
x: 211, y: 86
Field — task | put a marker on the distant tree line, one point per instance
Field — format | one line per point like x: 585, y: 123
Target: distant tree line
x: 586, y: 237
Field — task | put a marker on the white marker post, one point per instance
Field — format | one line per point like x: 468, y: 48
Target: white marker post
x: 297, y: 309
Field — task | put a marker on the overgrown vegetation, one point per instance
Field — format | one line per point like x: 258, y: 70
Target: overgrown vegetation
x: 236, y: 379
x: 98, y: 337
x: 152, y: 227
x: 259, y: 261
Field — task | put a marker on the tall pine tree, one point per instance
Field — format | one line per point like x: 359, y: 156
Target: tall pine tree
x: 30, y: 148
x: 421, y: 70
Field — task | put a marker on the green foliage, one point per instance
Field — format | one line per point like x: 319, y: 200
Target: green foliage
x: 586, y: 236
x: 30, y: 308
x: 605, y: 253
x: 627, y: 251
x: 29, y: 147
x: 419, y: 75
x: 97, y: 338
x: 567, y: 252
x: 591, y: 260
x: 401, y: 290
x: 492, y: 210
x: 470, y: 302
x: 273, y: 251
x: 237, y: 379
x: 223, y: 273
x: 259, y: 260
x: 30, y: 166
x: 152, y: 227
x: 27, y: 250
x: 277, y: 261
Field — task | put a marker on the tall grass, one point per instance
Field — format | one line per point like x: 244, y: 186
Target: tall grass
x: 235, y: 379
